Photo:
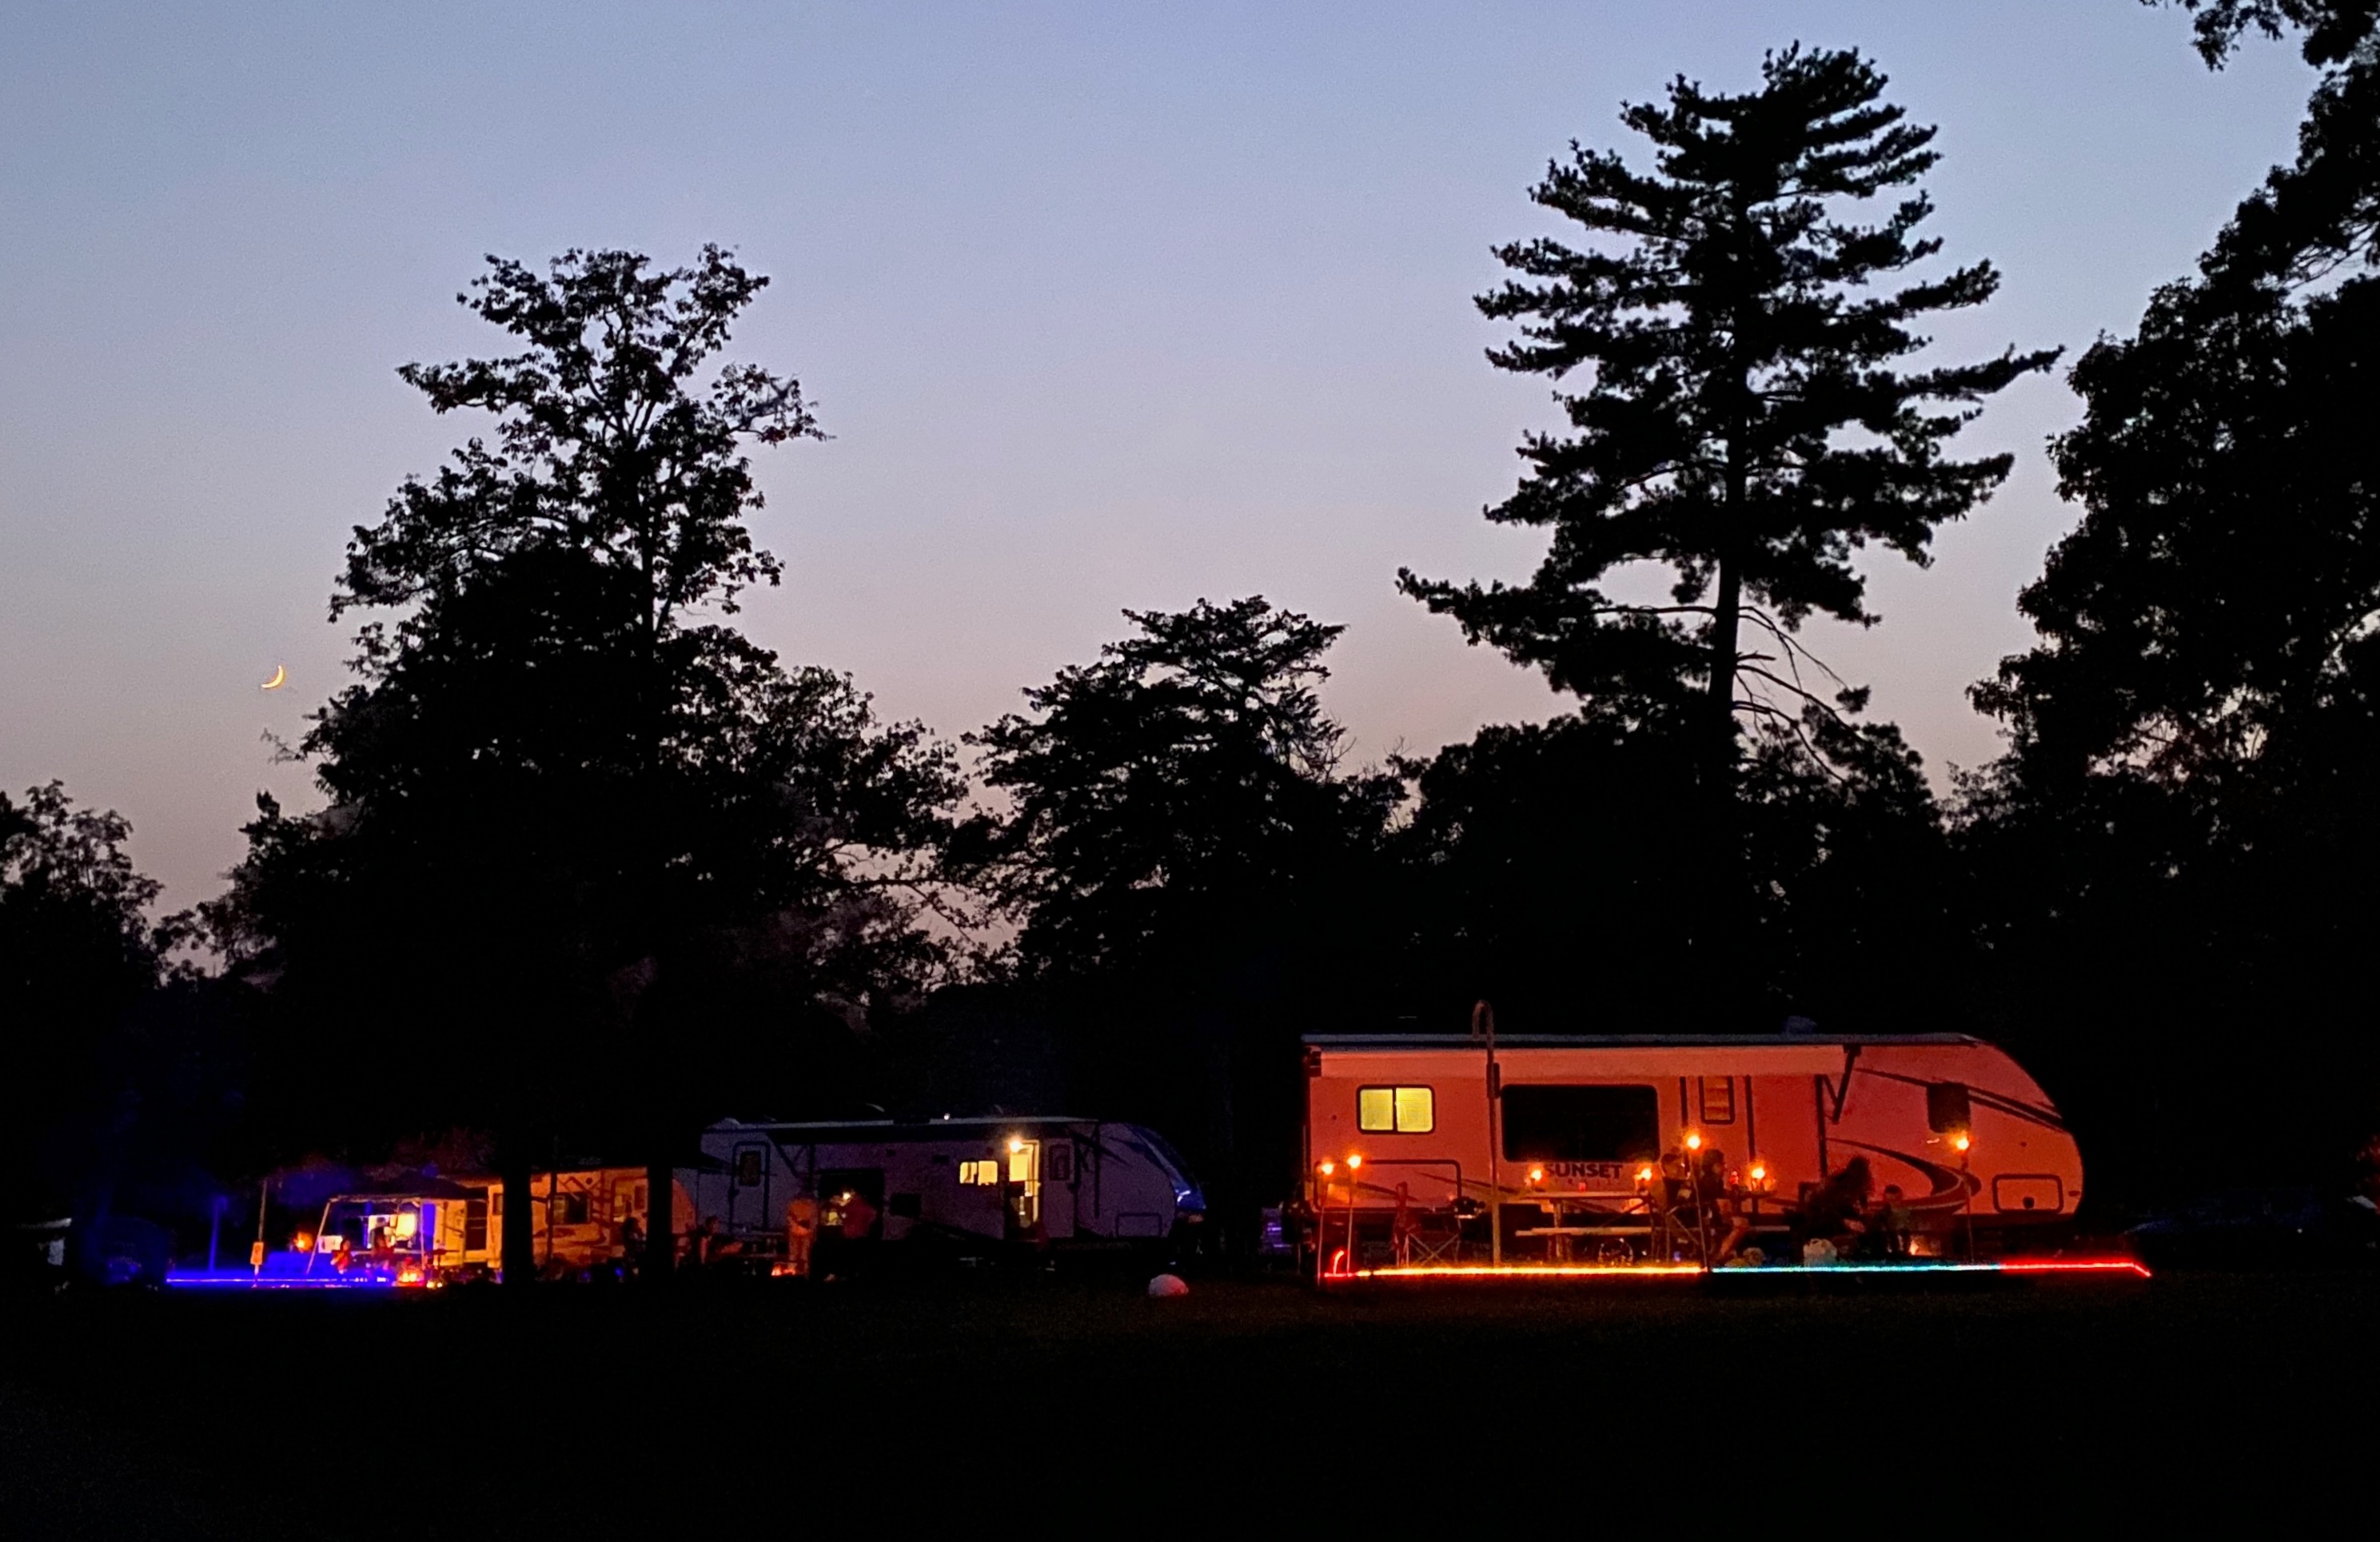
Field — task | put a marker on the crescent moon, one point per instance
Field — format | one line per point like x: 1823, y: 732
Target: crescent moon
x: 280, y: 678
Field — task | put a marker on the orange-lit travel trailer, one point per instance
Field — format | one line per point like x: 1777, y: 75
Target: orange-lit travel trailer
x: 1446, y: 1150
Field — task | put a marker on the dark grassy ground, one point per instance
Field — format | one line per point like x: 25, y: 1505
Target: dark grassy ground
x: 592, y: 1413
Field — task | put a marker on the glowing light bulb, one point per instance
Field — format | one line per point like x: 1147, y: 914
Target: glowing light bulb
x: 1537, y: 1174
x: 1695, y: 1140
x: 1353, y: 1162
x: 1014, y: 1145
x: 1961, y: 1140
x: 1329, y: 1167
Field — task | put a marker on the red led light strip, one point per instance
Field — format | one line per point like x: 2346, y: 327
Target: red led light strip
x: 2075, y: 1266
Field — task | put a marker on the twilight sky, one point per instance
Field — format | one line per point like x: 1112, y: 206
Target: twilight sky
x: 1106, y: 305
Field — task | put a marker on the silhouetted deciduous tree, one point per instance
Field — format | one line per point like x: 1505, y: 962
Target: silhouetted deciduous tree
x: 1180, y: 850
x: 114, y: 1076
x: 2176, y: 853
x: 1548, y: 868
x: 563, y: 803
x: 2333, y: 29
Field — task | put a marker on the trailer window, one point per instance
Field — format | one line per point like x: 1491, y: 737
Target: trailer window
x: 1581, y: 1123
x: 747, y: 1168
x: 1947, y: 1107
x: 1716, y: 1095
x: 986, y: 1175
x: 1409, y: 1110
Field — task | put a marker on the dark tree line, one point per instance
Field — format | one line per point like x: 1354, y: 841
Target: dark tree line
x: 592, y: 867
x: 122, y: 1077
x: 2173, y: 862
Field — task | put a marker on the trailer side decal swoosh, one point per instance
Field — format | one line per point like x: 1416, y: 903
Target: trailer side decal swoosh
x: 2036, y: 1114
x: 1952, y: 1187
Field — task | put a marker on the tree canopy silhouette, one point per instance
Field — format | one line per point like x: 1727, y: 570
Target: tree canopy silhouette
x: 1190, y: 767
x: 2332, y: 28
x: 1548, y: 868
x: 1182, y: 851
x: 101, y: 1085
x: 2188, y: 788
x: 2215, y: 605
x: 563, y: 800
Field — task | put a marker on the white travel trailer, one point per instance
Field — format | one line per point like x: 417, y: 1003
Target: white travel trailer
x: 966, y: 1183
x: 1572, y: 1145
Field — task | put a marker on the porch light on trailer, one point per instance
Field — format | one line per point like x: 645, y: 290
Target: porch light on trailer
x: 1015, y: 1144
x: 1537, y: 1174
x: 1961, y: 1141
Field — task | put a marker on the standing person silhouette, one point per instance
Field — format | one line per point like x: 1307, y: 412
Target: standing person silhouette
x: 801, y: 1232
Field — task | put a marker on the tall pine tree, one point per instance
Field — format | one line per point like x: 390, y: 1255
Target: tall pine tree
x: 1739, y: 412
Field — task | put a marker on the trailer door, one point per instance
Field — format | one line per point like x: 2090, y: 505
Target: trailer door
x: 748, y: 1188
x: 1058, y: 1181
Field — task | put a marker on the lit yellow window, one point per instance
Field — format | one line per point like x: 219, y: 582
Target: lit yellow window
x: 986, y: 1175
x: 1410, y: 1111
